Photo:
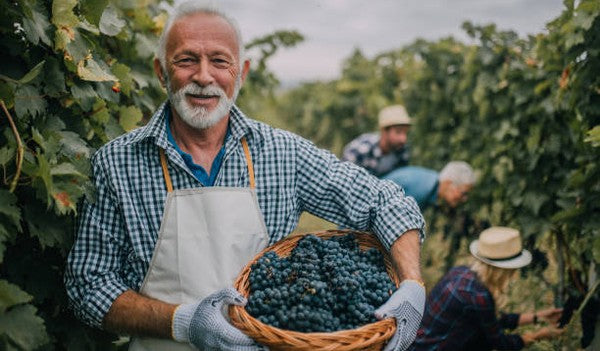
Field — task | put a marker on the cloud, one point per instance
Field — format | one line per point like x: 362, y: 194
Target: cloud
x: 333, y: 28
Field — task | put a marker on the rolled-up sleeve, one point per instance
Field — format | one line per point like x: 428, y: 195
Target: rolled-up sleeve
x: 92, y: 276
x: 348, y: 195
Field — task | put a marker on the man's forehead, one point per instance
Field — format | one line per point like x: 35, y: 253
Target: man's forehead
x: 201, y: 25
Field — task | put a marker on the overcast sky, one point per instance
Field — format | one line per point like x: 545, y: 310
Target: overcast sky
x: 333, y: 28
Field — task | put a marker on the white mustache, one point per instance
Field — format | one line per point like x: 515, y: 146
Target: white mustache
x: 195, y: 89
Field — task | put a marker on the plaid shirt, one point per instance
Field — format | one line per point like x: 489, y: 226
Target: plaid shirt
x: 365, y: 152
x: 460, y: 315
x: 117, y: 232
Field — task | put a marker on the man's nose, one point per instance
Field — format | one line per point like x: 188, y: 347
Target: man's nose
x: 203, y: 74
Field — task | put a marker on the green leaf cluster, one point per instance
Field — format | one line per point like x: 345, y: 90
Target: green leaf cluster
x: 74, y: 74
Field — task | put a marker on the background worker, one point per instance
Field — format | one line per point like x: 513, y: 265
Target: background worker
x: 460, y: 312
x: 183, y: 203
x: 382, y: 152
x: 451, y: 185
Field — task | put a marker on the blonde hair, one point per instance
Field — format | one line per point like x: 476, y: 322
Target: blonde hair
x: 495, y: 279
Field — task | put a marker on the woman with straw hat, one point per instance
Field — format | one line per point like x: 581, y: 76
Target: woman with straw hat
x: 460, y: 311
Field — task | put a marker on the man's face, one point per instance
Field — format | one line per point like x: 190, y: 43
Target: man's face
x: 203, y: 73
x: 395, y: 137
x: 457, y: 194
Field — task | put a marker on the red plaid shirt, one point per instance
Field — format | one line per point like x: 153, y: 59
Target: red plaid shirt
x: 460, y: 314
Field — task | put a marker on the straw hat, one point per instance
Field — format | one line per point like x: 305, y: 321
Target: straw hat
x: 500, y: 247
x: 393, y: 115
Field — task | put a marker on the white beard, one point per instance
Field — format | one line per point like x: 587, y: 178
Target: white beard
x: 200, y: 117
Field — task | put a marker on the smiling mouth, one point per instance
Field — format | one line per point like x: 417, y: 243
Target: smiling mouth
x: 196, y: 96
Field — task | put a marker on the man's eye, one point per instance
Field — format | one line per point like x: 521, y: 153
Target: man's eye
x: 220, y: 62
x: 184, y: 61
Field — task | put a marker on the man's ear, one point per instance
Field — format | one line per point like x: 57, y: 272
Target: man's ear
x: 159, y: 71
x: 245, y: 70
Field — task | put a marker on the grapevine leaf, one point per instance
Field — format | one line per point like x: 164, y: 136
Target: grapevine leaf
x: 78, y: 48
x: 8, y: 207
x: 28, y: 100
x: 23, y: 327
x: 113, y: 129
x: 102, y: 115
x: 11, y: 295
x: 62, y: 13
x: 7, y: 93
x: 90, y: 70
x: 140, y: 78
x: 584, y: 17
x: 43, y: 173
x: 129, y: 117
x: 110, y: 23
x: 65, y: 168
x: 84, y: 24
x: 145, y: 45
x: 593, y: 136
x: 62, y: 37
x: 73, y: 144
x: 54, y: 82
x: 93, y: 10
x: 122, y: 72
x: 34, y: 72
x: 6, y: 155
x: 36, y: 27
x: 43, y: 225
x: 84, y: 94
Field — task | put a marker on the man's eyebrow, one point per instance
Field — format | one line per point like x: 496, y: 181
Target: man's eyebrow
x: 184, y: 52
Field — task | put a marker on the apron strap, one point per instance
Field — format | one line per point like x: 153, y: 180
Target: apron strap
x: 248, y: 162
x: 163, y: 163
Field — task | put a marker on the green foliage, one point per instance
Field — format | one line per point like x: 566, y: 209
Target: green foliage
x: 75, y: 74
x: 72, y: 80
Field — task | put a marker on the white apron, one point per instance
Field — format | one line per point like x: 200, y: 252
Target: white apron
x: 206, y: 237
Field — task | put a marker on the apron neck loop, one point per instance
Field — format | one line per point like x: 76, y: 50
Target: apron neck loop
x: 163, y: 163
x: 248, y: 162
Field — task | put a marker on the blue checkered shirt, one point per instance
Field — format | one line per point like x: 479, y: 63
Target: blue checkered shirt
x: 117, y: 231
x: 365, y: 152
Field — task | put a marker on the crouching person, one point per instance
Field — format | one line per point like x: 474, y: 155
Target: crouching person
x: 460, y: 311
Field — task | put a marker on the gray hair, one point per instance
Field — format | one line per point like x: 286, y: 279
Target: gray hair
x: 458, y: 172
x: 189, y: 8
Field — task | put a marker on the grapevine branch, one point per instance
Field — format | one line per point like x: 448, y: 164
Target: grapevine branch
x: 20, y: 147
x: 574, y: 277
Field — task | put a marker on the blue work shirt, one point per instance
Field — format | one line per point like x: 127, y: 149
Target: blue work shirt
x: 418, y: 182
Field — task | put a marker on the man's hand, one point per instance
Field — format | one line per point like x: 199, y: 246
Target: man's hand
x: 406, y: 305
x: 203, y: 324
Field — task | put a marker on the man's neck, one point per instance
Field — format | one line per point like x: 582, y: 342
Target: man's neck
x: 202, y: 144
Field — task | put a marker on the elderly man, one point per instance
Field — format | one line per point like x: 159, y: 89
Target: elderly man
x: 185, y: 202
x: 450, y: 186
x: 382, y: 152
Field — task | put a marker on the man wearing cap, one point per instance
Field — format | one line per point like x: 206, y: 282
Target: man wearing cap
x: 383, y: 151
x: 460, y: 312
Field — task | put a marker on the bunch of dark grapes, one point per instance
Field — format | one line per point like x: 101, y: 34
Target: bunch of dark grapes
x: 323, y: 286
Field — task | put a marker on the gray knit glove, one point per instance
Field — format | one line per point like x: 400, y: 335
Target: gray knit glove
x: 406, y: 305
x: 203, y: 324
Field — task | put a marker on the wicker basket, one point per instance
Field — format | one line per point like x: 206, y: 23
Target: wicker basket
x: 371, y: 336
